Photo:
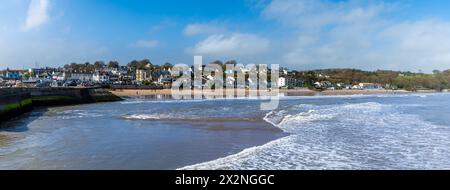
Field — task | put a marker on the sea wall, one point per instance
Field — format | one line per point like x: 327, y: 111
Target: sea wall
x: 16, y: 101
x: 14, y: 104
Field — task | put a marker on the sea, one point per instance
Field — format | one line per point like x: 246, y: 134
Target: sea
x: 370, y: 132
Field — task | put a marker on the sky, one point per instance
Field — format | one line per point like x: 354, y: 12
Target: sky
x: 405, y: 35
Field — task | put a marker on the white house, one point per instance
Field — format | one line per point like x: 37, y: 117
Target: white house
x: 101, y: 77
x: 60, y: 76
x: 81, y: 76
x: 141, y: 75
x: 357, y: 87
x: 370, y: 86
x: 281, y: 82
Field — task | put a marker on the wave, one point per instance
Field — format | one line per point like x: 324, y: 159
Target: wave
x: 233, y: 161
x: 367, y: 135
x: 179, y: 117
x: 353, y: 96
x: 282, y: 97
x: 71, y: 114
x: 305, y: 114
x: 160, y: 117
x: 141, y: 101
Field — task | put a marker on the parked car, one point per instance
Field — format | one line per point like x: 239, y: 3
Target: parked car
x: 57, y: 83
x: 70, y: 83
x: 119, y: 83
x: 87, y: 84
x: 43, y: 84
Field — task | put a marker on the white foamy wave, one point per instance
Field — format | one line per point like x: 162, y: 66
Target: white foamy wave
x: 347, y: 136
x: 72, y: 114
x: 325, y: 97
x: 132, y: 102
x: 284, y: 153
x: 235, y: 160
x: 420, y: 95
x: 358, y: 96
x: 304, y: 115
x: 274, y: 117
x: 159, y: 117
x: 143, y: 101
x: 291, y: 122
x: 179, y: 117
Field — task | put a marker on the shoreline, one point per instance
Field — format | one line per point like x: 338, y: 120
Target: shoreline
x: 17, y: 101
x: 136, y: 93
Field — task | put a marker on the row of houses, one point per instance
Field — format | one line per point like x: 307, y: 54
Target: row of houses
x: 142, y: 76
x: 163, y: 77
x: 12, y: 74
x: 361, y: 86
x: 98, y: 76
x: 121, y: 75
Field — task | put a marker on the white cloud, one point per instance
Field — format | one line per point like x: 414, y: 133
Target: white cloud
x: 236, y: 44
x: 145, y: 44
x: 37, y: 14
x: 204, y: 28
x: 319, y: 13
x: 421, y: 44
x: 358, y: 35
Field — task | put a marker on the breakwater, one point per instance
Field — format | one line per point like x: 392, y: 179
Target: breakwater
x: 16, y: 101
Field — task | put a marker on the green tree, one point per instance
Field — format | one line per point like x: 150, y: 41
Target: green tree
x: 113, y: 64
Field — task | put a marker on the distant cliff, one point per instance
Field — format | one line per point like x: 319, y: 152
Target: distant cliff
x: 16, y: 101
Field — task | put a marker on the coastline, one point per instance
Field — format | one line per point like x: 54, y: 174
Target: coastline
x: 135, y: 93
x: 17, y: 101
x: 203, y: 143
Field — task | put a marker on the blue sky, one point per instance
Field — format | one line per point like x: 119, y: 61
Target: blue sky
x: 301, y: 34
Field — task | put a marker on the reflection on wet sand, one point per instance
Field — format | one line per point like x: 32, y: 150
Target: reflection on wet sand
x: 4, y: 140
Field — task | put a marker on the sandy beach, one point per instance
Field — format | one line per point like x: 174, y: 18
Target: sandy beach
x: 286, y: 92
